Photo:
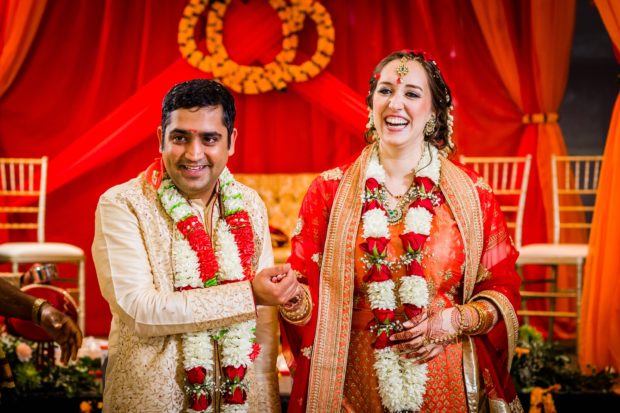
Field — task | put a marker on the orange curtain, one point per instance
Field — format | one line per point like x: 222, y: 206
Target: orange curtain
x: 539, y: 88
x: 20, y: 20
x: 552, y: 31
x: 530, y: 46
x: 600, y: 325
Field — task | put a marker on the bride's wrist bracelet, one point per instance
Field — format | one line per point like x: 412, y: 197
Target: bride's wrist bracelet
x: 486, y: 317
x: 443, y: 340
x: 299, y: 313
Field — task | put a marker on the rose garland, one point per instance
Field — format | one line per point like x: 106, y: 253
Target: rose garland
x: 258, y: 79
x: 198, y: 265
x: 402, y: 383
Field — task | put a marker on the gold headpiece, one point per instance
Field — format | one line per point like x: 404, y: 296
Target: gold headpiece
x: 402, y: 69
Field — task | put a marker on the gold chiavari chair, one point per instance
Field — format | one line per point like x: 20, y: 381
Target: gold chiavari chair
x: 574, y: 187
x: 22, y: 181
x: 508, y: 176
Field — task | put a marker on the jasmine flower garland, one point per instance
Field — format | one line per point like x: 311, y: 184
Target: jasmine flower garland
x: 197, y: 264
x: 402, y: 383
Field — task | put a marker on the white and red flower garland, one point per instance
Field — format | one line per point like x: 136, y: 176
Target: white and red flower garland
x: 197, y: 264
x: 402, y: 383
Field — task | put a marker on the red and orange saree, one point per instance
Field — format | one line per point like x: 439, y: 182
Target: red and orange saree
x: 470, y: 257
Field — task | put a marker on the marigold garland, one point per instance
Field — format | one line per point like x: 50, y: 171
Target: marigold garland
x: 258, y: 79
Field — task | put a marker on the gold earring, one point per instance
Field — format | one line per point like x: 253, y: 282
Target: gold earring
x: 430, y: 126
x: 371, y: 120
x: 370, y: 126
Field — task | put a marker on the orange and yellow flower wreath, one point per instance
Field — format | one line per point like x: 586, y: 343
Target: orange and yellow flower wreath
x: 258, y: 79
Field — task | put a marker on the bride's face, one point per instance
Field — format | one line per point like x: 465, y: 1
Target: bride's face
x: 402, y: 104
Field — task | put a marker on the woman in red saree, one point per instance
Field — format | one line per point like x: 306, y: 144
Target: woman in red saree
x: 409, y: 288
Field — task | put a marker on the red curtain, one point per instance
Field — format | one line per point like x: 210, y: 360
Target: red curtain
x: 89, y: 92
x: 20, y: 21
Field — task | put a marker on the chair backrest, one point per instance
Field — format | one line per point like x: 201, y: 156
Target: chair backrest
x: 282, y: 194
x: 574, y: 186
x: 508, y: 176
x: 20, y: 179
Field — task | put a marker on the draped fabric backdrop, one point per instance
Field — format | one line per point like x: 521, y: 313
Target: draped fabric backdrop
x: 530, y: 43
x: 89, y: 90
x: 20, y: 22
x: 600, y: 331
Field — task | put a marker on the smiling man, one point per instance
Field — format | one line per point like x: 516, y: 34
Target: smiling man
x: 184, y: 259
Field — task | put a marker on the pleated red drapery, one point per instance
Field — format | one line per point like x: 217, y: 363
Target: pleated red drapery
x: 19, y: 23
x: 89, y: 91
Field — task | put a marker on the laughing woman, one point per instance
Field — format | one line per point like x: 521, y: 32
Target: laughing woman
x: 409, y: 292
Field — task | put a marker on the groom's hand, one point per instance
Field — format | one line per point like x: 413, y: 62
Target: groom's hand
x: 275, y: 285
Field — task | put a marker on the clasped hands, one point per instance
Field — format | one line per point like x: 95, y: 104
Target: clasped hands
x: 275, y: 285
x: 425, y: 336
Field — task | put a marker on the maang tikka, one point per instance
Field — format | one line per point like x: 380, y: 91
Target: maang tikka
x: 402, y: 70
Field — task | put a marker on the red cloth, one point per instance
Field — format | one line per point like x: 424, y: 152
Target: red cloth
x: 89, y: 94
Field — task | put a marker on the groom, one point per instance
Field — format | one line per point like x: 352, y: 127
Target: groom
x: 184, y: 259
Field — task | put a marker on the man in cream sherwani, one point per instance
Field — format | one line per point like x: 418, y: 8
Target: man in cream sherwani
x: 138, y: 268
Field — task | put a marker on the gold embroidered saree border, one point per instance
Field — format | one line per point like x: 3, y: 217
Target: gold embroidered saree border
x: 510, y: 317
x: 471, y: 378
x: 501, y: 406
x: 331, y: 341
x: 462, y: 198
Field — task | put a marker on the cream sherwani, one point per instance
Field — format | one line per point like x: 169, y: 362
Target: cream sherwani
x: 132, y: 254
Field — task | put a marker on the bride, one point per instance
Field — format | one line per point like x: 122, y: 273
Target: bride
x: 408, y: 289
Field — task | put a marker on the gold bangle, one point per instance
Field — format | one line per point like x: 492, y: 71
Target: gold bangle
x: 301, y: 313
x: 459, y: 309
x: 471, y: 329
x: 489, y: 317
x: 482, y: 319
x: 36, y: 310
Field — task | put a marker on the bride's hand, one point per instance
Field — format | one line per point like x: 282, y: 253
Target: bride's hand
x: 425, y: 337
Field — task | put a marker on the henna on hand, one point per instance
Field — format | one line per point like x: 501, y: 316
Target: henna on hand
x: 440, y: 330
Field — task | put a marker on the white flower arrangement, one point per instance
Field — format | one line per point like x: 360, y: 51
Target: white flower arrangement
x: 176, y: 206
x: 227, y: 254
x: 418, y: 220
x: 209, y: 410
x: 234, y: 203
x: 414, y: 383
x: 237, y: 344
x: 375, y: 224
x: 197, y: 350
x: 186, y: 264
x: 234, y: 408
x: 413, y: 290
x: 391, y: 390
x: 381, y: 295
x: 375, y: 169
x: 429, y: 165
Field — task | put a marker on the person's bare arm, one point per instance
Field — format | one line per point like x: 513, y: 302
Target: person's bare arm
x: 60, y: 327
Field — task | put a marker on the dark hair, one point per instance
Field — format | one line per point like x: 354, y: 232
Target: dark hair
x: 199, y: 93
x: 441, y: 96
